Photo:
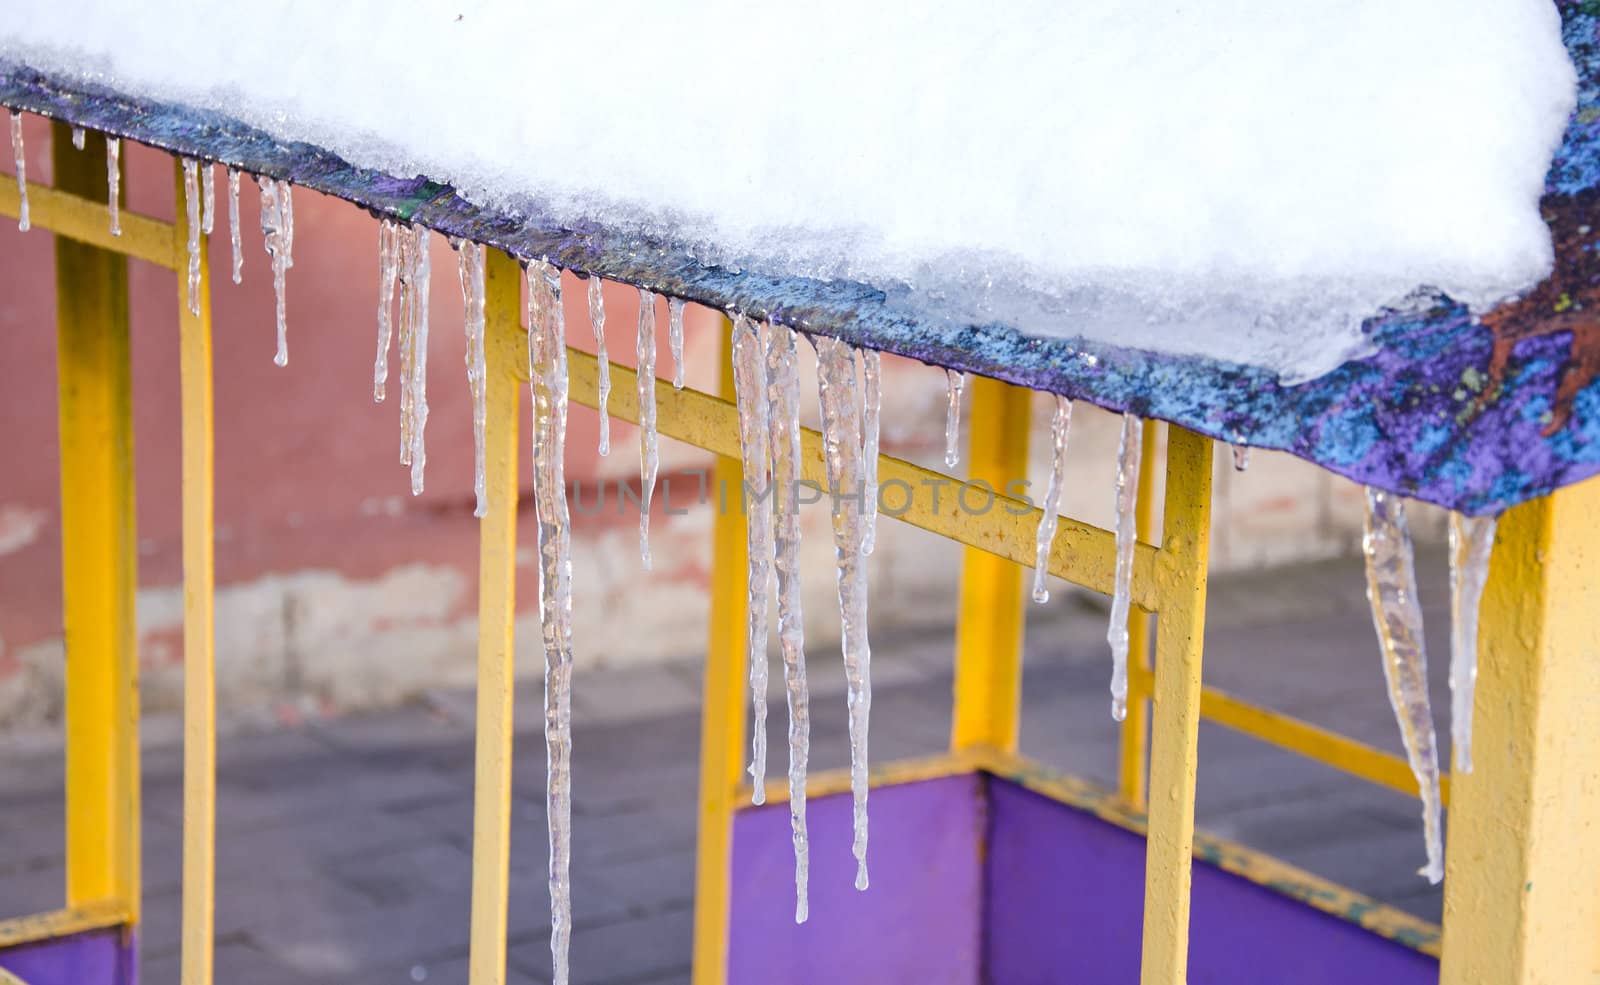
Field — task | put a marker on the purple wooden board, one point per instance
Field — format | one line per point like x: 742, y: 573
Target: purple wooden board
x: 1065, y: 904
x: 95, y: 957
x: 919, y: 921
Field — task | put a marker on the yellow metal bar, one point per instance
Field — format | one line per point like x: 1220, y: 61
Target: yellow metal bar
x: 199, y: 576
x: 1522, y: 868
x: 79, y: 215
x: 99, y: 553
x: 988, y: 665
x: 61, y: 923
x: 1133, y: 735
x: 1174, y: 734
x: 722, y: 721
x: 497, y: 611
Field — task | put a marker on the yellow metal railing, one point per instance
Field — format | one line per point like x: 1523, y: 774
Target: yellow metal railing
x: 1539, y: 649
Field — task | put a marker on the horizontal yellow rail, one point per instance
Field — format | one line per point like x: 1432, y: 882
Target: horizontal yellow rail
x: 60, y: 923
x: 1314, y: 742
x: 87, y: 221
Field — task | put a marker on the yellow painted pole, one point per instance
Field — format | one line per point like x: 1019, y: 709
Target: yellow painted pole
x: 988, y: 671
x: 497, y: 611
x: 1522, y: 867
x: 1175, y: 715
x: 199, y: 576
x: 1133, y: 734
x: 722, y: 726
x: 99, y: 552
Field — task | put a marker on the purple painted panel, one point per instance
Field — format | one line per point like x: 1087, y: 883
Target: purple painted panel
x: 95, y: 957
x: 919, y: 922
x: 1064, y: 903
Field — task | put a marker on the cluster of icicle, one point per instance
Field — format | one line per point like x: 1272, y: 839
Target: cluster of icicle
x: 404, y: 262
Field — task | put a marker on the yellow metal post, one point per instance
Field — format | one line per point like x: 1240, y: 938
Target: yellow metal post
x: 1174, y: 733
x: 497, y: 610
x: 988, y: 672
x: 199, y: 577
x: 1522, y: 867
x: 722, y: 725
x: 98, y: 552
x: 1133, y: 736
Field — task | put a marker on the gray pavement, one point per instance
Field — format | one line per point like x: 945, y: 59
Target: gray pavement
x: 344, y: 845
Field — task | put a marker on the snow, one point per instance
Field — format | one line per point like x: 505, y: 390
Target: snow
x: 1217, y: 177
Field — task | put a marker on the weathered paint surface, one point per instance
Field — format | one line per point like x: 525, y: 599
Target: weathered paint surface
x: 1439, y: 411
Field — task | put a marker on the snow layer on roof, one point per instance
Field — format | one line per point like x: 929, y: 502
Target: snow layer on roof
x: 1242, y: 179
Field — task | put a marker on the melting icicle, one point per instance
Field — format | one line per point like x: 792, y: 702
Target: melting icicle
x: 208, y: 198
x: 233, y: 226
x: 388, y: 245
x: 954, y: 383
x: 277, y: 230
x: 649, y: 460
x: 286, y: 205
x: 597, y: 321
x: 421, y: 277
x: 872, y: 397
x: 1127, y: 535
x: 783, y: 386
x: 405, y: 248
x: 1060, y: 429
x: 547, y: 371
x: 470, y: 261
x: 1241, y: 457
x: 191, y: 201
x: 750, y: 389
x: 675, y: 339
x: 114, y: 181
x: 841, y: 447
x: 1471, y: 543
x: 23, y: 222
x: 77, y: 138
x: 1397, y: 616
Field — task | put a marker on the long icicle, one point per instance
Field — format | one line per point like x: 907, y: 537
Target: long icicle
x: 1060, y: 430
x: 405, y: 272
x: 470, y: 262
x: 421, y: 279
x: 597, y: 321
x: 208, y: 198
x: 114, y: 182
x: 1397, y: 617
x: 675, y: 339
x: 547, y: 372
x: 273, y: 233
x: 1127, y: 536
x: 1471, y: 543
x: 750, y: 390
x: 388, y: 269
x: 783, y: 384
x: 954, y: 383
x: 841, y: 447
x: 233, y: 226
x: 24, y: 222
x: 649, y: 458
x: 191, y: 200
x: 872, y: 399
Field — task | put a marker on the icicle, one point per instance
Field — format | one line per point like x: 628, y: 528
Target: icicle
x: 783, y: 386
x: 114, y: 182
x: 750, y: 389
x: 872, y: 398
x: 276, y: 232
x: 1397, y: 616
x: 23, y: 222
x: 1471, y: 543
x: 470, y: 261
x: 1241, y: 457
x: 208, y: 198
x: 1127, y: 536
x: 191, y: 201
x: 77, y: 138
x: 421, y: 277
x: 597, y: 321
x: 388, y: 235
x: 405, y: 273
x: 954, y: 383
x: 649, y: 460
x: 286, y: 207
x: 675, y: 339
x: 547, y: 370
x: 841, y: 447
x: 1060, y: 429
x: 232, y: 226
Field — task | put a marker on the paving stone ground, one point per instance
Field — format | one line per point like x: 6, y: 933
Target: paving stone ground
x: 344, y: 845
